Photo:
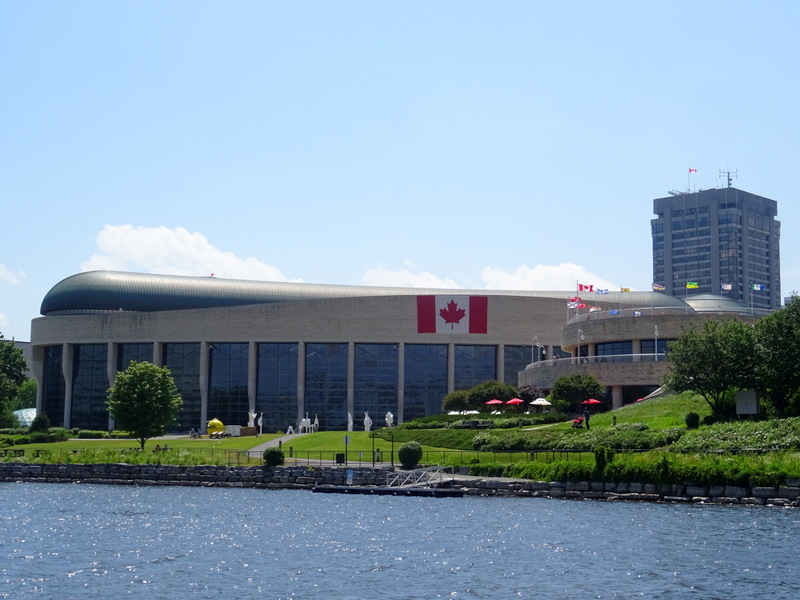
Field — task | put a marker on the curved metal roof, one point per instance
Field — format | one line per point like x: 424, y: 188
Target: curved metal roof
x: 713, y: 303
x: 109, y: 291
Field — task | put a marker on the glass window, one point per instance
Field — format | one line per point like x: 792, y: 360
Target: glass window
x: 375, y: 381
x: 474, y: 365
x: 53, y: 388
x: 516, y: 358
x: 276, y: 386
x: 130, y: 352
x: 227, y: 386
x: 89, y: 387
x: 183, y: 361
x: 326, y: 385
x: 425, y: 380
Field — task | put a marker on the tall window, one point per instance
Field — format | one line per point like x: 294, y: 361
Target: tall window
x: 89, y: 387
x: 227, y: 386
x: 375, y: 381
x: 326, y: 384
x: 474, y: 365
x: 130, y: 352
x: 425, y: 380
x: 183, y: 361
x: 276, y: 386
x: 53, y: 388
x: 516, y: 358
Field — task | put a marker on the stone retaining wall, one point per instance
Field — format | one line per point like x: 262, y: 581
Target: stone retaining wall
x: 308, y: 477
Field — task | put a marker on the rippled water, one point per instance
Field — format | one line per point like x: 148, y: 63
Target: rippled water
x: 68, y: 541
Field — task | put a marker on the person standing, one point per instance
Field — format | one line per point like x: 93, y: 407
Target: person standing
x: 586, y: 415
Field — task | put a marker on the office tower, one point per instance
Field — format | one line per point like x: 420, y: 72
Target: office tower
x: 720, y: 241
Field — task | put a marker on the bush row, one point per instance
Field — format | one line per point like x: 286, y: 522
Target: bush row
x: 656, y: 468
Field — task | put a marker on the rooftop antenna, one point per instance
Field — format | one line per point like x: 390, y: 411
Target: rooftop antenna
x: 729, y: 175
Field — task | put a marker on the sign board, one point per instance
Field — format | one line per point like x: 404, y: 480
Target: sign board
x: 746, y: 402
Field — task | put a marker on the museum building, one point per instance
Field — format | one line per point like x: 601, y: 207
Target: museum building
x: 287, y: 350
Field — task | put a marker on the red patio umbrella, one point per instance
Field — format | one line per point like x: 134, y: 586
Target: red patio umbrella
x: 494, y: 401
x: 515, y: 401
x: 591, y: 401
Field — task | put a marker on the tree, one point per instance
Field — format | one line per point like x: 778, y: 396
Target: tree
x: 490, y: 390
x: 777, y: 342
x: 712, y: 361
x: 457, y: 400
x: 570, y: 390
x: 26, y: 395
x: 144, y: 400
x: 12, y: 373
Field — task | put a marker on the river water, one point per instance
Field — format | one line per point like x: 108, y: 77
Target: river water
x: 73, y: 541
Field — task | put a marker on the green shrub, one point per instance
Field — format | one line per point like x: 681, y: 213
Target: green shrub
x: 409, y: 454
x: 692, y: 420
x: 709, y: 420
x: 603, y: 456
x: 88, y: 434
x: 40, y: 423
x: 59, y: 434
x: 273, y: 457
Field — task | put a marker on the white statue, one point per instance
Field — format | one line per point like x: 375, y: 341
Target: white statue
x: 349, y: 422
x: 367, y: 422
x: 251, y: 421
x: 304, y: 426
x: 315, y: 424
x: 389, y: 419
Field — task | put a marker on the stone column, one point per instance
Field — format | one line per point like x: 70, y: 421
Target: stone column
x: 401, y: 381
x: 204, y: 349
x: 252, y: 373
x: 616, y: 396
x: 451, y: 367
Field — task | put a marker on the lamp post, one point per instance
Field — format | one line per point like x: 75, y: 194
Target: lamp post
x: 655, y: 347
x: 534, y: 344
x: 391, y: 439
x: 583, y: 337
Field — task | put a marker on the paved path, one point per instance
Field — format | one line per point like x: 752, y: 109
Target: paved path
x: 256, y: 451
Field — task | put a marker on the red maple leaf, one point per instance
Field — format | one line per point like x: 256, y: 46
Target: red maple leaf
x: 452, y: 314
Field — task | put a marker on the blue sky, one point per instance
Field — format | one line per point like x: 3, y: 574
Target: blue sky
x: 508, y: 145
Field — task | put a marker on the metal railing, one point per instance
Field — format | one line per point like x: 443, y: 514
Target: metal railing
x: 426, y: 477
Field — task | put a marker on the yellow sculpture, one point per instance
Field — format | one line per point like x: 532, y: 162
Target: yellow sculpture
x: 215, y: 426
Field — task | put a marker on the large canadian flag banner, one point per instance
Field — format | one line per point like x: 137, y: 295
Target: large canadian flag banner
x: 452, y: 314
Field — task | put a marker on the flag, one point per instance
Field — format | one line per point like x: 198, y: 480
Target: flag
x: 594, y: 308
x: 572, y: 305
x: 624, y: 289
x: 614, y: 311
x: 692, y: 285
x: 758, y: 286
x: 452, y: 314
x: 692, y: 170
x: 637, y: 313
x: 585, y: 288
x: 657, y: 287
x: 602, y: 291
x: 581, y: 305
x: 726, y: 286
x: 575, y: 299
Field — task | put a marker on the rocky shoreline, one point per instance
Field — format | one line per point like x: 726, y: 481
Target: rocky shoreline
x: 298, y: 477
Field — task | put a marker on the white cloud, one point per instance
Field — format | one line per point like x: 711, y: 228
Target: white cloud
x: 3, y: 320
x: 542, y: 277
x: 10, y: 277
x: 405, y: 278
x: 172, y: 252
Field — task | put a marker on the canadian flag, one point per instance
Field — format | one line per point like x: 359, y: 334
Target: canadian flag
x: 585, y: 288
x: 452, y: 314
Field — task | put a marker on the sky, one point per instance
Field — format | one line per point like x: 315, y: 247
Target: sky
x: 457, y: 144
